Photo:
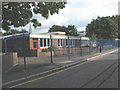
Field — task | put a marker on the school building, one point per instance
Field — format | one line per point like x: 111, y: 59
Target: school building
x: 33, y: 44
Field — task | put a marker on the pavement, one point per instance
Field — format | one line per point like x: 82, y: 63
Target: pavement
x: 38, y: 66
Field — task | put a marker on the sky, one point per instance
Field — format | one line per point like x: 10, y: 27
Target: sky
x: 78, y: 13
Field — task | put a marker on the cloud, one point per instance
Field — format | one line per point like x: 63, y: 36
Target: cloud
x: 79, y: 13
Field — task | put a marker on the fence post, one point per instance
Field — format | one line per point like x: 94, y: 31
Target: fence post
x: 51, y: 49
x: 29, y: 44
x: 81, y: 45
x: 102, y: 44
x: 24, y: 52
x: 116, y: 45
x: 90, y: 46
x: 105, y: 44
x: 68, y: 47
x: 110, y: 43
x: 97, y: 44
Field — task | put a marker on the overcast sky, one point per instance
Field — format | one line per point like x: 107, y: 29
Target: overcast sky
x: 78, y: 13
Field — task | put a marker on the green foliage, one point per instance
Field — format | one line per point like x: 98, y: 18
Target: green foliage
x: 54, y: 48
x: 93, y: 36
x: 104, y: 27
x: 14, y: 31
x: 70, y: 30
x: 46, y: 50
x: 21, y: 13
x: 49, y: 49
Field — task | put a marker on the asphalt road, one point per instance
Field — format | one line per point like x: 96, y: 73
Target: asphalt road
x: 101, y: 72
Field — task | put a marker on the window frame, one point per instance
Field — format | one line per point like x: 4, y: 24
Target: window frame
x: 44, y: 42
x: 34, y: 44
x: 60, y: 42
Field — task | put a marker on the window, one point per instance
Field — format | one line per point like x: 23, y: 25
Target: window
x: 66, y: 42
x: 34, y: 43
x: 48, y: 41
x: 72, y: 43
x: 41, y: 44
x: 35, y: 39
x: 44, y: 42
x: 60, y: 43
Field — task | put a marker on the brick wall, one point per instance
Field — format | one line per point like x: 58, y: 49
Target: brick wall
x: 32, y: 44
x: 46, y: 53
x: 55, y: 42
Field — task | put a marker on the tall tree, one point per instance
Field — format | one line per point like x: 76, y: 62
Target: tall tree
x: 14, y: 31
x: 21, y: 13
x: 70, y: 29
x: 104, y: 27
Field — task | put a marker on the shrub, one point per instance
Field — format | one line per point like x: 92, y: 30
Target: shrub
x: 45, y: 50
x: 54, y: 48
x: 49, y: 49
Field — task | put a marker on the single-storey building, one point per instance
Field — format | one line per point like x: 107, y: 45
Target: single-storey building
x: 36, y: 43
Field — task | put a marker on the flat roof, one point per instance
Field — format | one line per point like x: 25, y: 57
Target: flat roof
x: 44, y: 36
x: 54, y: 32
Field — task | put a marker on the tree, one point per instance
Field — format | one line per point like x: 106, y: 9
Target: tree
x: 70, y: 30
x: 14, y: 31
x: 104, y: 27
x: 55, y: 28
x: 93, y: 36
x: 21, y: 13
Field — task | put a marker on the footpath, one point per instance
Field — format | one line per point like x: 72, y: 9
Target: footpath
x: 43, y: 67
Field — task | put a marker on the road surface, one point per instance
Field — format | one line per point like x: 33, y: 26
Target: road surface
x: 101, y: 72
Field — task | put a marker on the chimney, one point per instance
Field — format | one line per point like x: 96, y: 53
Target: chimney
x: 30, y: 29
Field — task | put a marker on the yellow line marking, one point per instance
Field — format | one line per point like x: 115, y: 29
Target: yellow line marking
x: 45, y: 76
x: 52, y: 73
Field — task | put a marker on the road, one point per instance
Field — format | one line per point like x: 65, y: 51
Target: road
x: 101, y: 72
